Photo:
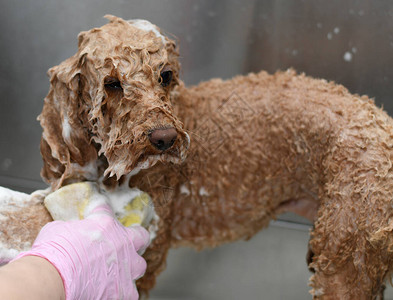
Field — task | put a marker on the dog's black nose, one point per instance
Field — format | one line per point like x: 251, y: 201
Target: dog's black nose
x: 163, y: 139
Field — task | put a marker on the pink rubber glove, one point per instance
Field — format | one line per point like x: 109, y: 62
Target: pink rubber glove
x: 97, y: 258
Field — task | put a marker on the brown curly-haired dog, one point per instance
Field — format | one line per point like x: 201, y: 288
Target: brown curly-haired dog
x: 260, y: 145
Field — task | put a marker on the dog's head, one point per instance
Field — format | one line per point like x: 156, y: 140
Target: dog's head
x: 108, y: 111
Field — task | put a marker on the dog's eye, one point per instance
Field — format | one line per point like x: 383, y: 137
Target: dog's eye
x: 113, y: 85
x: 166, y: 78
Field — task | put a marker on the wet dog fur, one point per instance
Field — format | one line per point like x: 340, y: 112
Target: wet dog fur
x: 261, y: 145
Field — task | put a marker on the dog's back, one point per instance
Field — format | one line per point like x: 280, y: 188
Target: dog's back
x: 265, y: 144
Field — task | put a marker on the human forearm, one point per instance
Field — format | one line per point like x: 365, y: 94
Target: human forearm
x: 31, y: 277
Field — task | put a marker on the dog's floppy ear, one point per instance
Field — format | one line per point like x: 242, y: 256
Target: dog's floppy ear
x: 66, y: 147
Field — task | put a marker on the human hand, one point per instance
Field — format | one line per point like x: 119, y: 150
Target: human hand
x: 97, y: 258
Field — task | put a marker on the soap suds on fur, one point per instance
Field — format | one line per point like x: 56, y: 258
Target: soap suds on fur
x: 203, y: 192
x: 11, y: 199
x: 184, y: 190
x: 66, y: 128
x: 147, y: 26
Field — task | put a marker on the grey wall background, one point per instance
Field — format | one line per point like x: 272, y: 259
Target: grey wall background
x: 350, y: 42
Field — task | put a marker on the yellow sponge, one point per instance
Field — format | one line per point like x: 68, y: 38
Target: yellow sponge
x: 72, y: 202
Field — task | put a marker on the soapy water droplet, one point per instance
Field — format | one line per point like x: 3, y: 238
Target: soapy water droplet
x: 189, y: 38
x: 348, y: 56
x: 6, y: 164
